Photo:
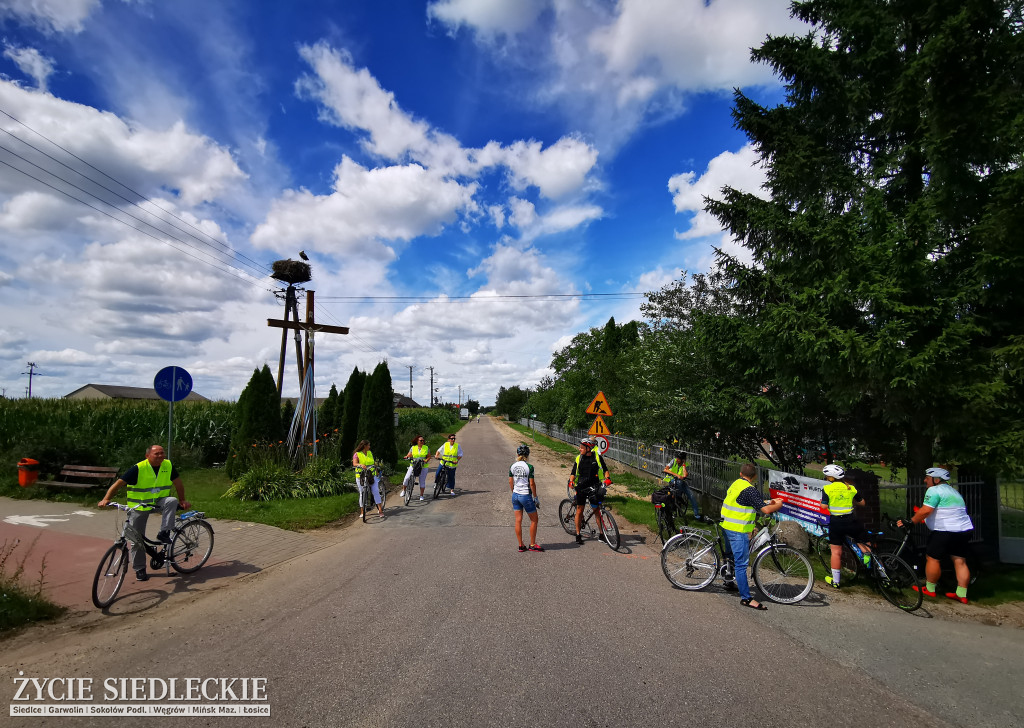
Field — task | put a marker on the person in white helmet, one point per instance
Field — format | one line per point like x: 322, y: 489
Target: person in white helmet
x: 945, y: 513
x: 840, y: 497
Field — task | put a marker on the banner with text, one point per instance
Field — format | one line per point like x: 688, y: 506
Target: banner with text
x: 801, y: 497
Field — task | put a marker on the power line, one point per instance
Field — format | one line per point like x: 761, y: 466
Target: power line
x: 210, y: 240
x: 623, y: 295
x: 248, y: 277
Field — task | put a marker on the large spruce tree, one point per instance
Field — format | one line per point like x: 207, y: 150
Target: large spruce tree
x: 887, y: 258
x: 377, y: 415
x: 257, y: 420
x: 350, y: 412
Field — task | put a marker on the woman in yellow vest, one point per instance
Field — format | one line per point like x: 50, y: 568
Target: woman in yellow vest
x: 839, y: 497
x: 362, y: 458
x: 449, y: 455
x: 742, y: 501
x: 418, y: 450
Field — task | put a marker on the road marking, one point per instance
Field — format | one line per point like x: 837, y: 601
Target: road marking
x: 44, y: 521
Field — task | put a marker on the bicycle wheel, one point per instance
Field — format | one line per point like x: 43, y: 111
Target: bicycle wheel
x: 567, y: 516
x: 440, y: 480
x: 110, y: 575
x: 610, y: 528
x: 783, y: 574
x: 191, y: 546
x: 689, y: 561
x: 665, y: 528
x: 409, y: 487
x: 382, y: 488
x: 897, y: 582
x: 849, y: 565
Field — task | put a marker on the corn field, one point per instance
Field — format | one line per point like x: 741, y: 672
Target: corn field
x: 109, y: 432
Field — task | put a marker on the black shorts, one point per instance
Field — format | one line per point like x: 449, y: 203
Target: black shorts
x: 585, y: 492
x: 949, y: 543
x: 839, y: 527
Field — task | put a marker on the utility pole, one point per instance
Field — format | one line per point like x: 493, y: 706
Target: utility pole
x: 460, y: 396
x: 431, y: 385
x: 31, y: 373
x: 410, y: 381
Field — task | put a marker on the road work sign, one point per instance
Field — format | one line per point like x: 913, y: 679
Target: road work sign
x: 599, y: 406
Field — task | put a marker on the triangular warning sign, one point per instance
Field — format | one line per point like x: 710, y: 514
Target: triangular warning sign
x: 600, y: 406
x: 599, y: 427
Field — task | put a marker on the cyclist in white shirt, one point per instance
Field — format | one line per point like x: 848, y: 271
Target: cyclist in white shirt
x: 945, y: 513
x: 524, y: 496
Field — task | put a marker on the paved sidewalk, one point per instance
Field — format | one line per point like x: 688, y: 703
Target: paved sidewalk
x: 65, y: 542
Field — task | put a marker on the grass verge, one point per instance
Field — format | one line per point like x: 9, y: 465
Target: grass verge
x: 21, y: 600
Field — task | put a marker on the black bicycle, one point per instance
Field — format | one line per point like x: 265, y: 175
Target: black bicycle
x: 892, y: 576
x: 441, y: 478
x: 412, y: 478
x: 190, y: 546
x: 365, y: 484
x: 604, y: 525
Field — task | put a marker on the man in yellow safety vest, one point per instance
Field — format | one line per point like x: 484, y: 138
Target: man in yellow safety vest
x: 149, y: 486
x: 742, y: 501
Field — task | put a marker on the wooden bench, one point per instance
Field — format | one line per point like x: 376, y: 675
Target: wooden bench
x: 79, y: 476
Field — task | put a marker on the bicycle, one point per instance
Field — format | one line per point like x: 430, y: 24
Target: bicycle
x: 366, y: 489
x: 189, y: 548
x: 893, y: 577
x: 690, y: 560
x: 412, y: 478
x: 441, y: 478
x: 605, y: 526
x: 666, y: 512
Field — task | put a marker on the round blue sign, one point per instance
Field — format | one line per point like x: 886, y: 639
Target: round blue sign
x: 173, y: 383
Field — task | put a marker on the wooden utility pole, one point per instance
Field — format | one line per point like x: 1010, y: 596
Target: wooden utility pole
x: 305, y: 363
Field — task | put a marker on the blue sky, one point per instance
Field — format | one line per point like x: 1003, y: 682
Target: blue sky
x: 451, y: 153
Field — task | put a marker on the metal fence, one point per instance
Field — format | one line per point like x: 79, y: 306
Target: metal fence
x: 709, y: 475
x: 1011, y: 521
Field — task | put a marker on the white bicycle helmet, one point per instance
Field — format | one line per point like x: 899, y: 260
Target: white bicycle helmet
x: 940, y: 473
x: 833, y: 471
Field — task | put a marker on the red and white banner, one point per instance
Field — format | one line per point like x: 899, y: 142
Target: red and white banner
x: 801, y: 497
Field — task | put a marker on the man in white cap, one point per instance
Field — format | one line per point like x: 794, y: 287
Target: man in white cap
x: 945, y: 514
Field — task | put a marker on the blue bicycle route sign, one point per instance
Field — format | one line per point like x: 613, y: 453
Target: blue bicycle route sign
x: 172, y: 383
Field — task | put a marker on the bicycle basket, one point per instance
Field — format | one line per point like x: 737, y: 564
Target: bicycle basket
x: 762, y: 537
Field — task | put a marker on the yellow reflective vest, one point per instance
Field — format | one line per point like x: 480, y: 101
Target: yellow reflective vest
x: 365, y: 458
x: 450, y: 454
x: 419, y: 451
x: 677, y: 471
x: 151, y: 486
x: 840, y: 498
x: 734, y: 516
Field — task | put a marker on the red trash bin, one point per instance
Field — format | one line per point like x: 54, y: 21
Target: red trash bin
x: 28, y: 471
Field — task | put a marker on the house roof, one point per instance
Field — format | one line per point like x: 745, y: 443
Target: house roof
x: 400, y: 400
x: 115, y: 391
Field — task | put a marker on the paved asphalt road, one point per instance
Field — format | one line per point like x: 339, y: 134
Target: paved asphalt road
x: 431, y: 617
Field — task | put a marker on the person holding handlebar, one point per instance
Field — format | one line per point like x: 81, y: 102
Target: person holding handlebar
x: 149, y: 486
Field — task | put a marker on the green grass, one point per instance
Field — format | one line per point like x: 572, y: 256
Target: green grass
x: 531, y: 436
x: 21, y: 600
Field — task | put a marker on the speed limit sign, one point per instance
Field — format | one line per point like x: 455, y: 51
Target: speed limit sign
x: 602, y: 444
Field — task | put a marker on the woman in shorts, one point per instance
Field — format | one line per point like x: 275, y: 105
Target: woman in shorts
x: 524, y: 497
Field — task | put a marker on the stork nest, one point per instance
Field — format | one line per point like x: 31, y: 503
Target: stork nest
x: 291, y: 271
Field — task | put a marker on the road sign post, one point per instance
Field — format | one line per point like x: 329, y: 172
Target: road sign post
x: 172, y: 384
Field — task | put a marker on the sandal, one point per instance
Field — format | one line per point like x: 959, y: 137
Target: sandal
x: 535, y: 547
x: 522, y: 549
x: 747, y: 603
